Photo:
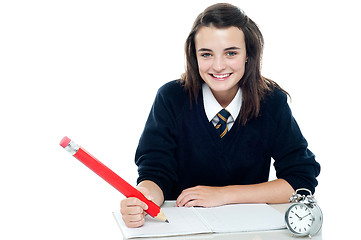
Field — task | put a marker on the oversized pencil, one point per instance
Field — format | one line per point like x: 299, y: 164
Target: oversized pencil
x: 111, y: 177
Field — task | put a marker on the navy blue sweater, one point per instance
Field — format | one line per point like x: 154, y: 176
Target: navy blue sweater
x: 179, y: 148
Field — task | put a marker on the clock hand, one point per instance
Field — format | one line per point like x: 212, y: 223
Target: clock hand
x: 298, y: 216
x: 305, y: 216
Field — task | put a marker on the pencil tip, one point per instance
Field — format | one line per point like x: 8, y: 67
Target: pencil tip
x: 166, y: 221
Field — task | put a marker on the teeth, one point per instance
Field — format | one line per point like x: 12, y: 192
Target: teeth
x: 221, y: 76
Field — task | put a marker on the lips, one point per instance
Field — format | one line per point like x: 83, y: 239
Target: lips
x: 220, y: 76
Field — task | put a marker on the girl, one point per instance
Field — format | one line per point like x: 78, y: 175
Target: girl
x: 210, y: 136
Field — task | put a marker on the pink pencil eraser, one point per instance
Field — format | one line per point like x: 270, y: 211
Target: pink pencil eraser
x: 65, y: 141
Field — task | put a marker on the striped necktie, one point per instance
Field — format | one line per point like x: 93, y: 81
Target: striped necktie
x: 222, y: 124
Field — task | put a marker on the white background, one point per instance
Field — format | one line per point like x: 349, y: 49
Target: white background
x: 90, y: 70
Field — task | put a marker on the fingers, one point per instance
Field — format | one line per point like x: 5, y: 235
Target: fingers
x: 201, y: 196
x: 133, y: 212
x: 195, y: 203
x: 133, y: 209
x: 192, y: 202
x: 132, y: 203
x: 134, y: 221
x: 188, y: 197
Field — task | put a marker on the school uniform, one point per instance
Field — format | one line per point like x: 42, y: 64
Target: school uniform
x: 181, y: 148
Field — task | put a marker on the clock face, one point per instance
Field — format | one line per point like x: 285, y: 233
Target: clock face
x: 299, y: 219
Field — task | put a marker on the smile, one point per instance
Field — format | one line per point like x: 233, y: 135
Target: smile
x: 220, y: 76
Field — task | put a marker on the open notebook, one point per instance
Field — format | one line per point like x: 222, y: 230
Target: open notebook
x: 224, y: 219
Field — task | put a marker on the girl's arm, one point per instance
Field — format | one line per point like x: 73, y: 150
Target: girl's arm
x: 277, y: 191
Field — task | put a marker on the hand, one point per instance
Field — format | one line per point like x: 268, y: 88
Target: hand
x: 133, y: 210
x: 201, y: 196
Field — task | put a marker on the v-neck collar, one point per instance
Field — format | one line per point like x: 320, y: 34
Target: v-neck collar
x: 212, y: 107
x: 210, y: 127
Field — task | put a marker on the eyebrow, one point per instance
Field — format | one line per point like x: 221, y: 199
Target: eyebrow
x: 210, y: 50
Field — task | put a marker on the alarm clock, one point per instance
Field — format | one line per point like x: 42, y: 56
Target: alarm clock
x: 304, y: 216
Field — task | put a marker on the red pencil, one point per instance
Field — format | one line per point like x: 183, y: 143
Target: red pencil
x: 111, y: 177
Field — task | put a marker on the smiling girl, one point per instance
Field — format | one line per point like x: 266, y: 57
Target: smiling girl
x: 210, y: 136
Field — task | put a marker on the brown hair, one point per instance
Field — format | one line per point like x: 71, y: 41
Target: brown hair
x: 254, y: 86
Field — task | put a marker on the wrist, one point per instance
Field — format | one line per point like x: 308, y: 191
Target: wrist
x: 232, y: 194
x: 155, y: 191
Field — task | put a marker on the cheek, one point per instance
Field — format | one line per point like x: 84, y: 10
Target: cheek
x: 203, y: 66
x: 237, y: 66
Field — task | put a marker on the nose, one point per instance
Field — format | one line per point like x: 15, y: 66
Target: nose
x: 219, y: 64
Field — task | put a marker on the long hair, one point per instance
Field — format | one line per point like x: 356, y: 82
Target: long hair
x: 253, y: 85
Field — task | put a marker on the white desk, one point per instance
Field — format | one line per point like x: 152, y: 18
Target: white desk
x: 264, y: 235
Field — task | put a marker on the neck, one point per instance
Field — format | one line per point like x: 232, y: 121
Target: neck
x: 225, y: 98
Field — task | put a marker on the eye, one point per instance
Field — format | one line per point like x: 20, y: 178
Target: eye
x: 205, y: 55
x: 231, y: 54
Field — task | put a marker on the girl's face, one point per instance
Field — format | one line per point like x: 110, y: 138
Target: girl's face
x: 221, y: 56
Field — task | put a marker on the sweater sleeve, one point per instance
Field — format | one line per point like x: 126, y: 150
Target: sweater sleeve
x: 155, y: 155
x: 294, y: 162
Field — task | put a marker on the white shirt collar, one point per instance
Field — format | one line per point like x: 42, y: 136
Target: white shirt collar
x: 212, y: 107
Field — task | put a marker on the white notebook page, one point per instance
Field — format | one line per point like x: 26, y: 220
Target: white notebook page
x: 228, y: 218
x: 242, y: 218
x: 182, y: 221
